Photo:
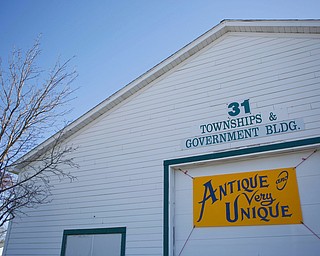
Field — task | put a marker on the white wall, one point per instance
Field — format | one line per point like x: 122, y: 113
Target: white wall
x: 120, y: 179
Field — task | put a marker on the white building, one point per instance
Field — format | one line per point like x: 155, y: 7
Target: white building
x: 242, y: 98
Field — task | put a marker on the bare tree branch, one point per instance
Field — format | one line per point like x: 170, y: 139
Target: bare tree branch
x: 30, y: 105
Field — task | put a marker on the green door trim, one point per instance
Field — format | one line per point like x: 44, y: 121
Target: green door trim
x: 94, y: 231
x: 213, y: 156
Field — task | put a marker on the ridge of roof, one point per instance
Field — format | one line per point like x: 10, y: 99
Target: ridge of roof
x: 306, y: 26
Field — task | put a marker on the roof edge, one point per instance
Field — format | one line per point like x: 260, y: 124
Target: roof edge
x: 309, y: 26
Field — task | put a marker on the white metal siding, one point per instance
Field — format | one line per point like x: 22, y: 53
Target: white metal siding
x: 120, y: 180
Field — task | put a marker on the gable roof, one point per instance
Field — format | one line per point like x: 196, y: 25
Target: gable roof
x: 225, y: 26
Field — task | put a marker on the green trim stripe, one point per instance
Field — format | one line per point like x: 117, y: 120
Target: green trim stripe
x: 199, y: 158
x: 245, y: 151
x: 94, y: 231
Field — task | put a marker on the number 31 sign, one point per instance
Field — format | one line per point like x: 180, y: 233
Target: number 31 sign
x: 237, y: 108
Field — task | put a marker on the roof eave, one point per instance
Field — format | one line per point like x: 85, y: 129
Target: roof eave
x: 225, y: 26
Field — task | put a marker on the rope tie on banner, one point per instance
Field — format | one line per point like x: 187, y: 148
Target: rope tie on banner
x: 303, y: 160
x: 306, y: 158
x: 186, y: 173
x: 186, y: 241
x: 310, y: 230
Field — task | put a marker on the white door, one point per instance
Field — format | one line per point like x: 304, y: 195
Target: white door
x: 292, y: 239
x: 94, y: 242
x: 93, y: 245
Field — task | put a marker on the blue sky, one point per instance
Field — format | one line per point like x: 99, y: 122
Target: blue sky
x: 116, y: 41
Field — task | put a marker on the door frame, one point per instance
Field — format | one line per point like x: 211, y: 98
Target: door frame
x: 94, y: 231
x: 168, y: 172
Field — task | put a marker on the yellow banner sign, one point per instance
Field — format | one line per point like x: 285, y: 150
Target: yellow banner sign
x: 253, y: 198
